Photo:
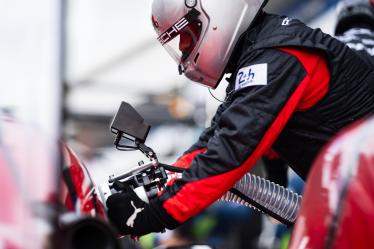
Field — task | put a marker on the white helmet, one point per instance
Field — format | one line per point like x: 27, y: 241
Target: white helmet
x: 201, y: 34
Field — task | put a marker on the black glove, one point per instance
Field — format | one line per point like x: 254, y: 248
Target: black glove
x: 131, y: 215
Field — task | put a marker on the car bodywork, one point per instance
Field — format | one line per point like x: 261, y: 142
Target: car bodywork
x: 338, y: 204
x: 48, y: 199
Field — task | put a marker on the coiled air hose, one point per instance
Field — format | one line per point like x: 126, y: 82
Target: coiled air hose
x: 268, y: 197
x: 261, y: 194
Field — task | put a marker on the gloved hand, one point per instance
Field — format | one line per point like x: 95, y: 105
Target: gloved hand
x: 131, y: 215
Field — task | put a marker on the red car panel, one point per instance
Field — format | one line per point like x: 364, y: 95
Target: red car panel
x: 338, y: 204
x: 28, y: 181
x: 78, y: 189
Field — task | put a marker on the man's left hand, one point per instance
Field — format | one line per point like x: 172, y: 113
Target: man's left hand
x: 131, y: 215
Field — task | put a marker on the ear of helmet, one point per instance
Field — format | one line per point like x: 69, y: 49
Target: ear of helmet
x: 201, y: 34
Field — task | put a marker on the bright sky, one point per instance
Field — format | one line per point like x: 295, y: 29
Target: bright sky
x: 29, y: 61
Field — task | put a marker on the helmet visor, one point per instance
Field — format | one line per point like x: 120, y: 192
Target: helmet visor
x: 180, y: 39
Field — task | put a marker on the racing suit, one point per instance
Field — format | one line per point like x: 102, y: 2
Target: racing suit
x: 292, y: 88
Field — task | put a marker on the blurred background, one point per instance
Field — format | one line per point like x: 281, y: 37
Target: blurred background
x: 65, y: 67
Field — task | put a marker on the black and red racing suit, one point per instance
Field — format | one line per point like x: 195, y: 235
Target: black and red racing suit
x: 292, y: 89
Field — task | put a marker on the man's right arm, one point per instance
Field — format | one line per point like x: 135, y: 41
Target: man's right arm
x: 200, y: 145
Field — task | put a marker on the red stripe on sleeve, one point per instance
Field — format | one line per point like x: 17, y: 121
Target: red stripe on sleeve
x: 317, y: 68
x: 183, y: 162
x: 186, y: 160
x: 272, y: 155
x: 195, y: 196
